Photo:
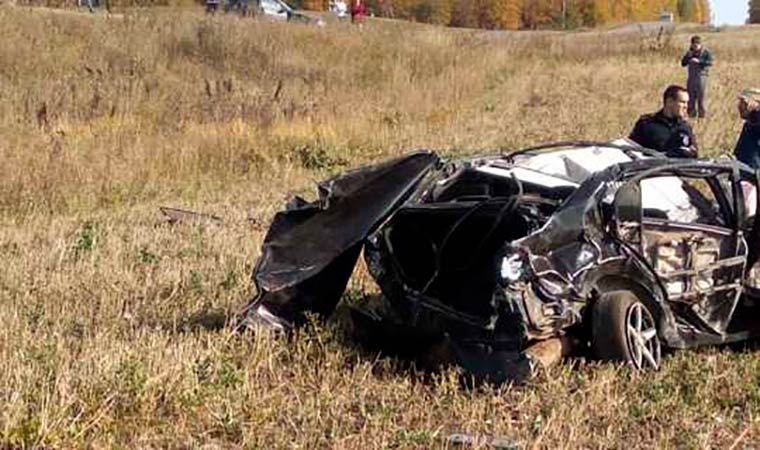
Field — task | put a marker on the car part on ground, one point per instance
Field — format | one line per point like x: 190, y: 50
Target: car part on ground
x: 176, y: 215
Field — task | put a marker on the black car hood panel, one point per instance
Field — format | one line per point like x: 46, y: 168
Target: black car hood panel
x: 311, y: 249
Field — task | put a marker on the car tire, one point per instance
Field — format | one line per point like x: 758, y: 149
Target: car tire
x: 624, y: 330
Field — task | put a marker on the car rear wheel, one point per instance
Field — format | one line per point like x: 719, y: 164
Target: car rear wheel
x: 625, y: 330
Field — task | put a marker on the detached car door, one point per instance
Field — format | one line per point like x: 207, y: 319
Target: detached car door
x: 690, y: 238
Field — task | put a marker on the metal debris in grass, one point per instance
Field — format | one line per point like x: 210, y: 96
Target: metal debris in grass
x: 469, y: 440
x: 175, y: 215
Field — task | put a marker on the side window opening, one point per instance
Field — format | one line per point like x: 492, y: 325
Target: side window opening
x: 685, y: 200
x: 688, y: 232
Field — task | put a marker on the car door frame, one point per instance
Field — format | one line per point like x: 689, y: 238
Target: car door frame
x: 629, y: 226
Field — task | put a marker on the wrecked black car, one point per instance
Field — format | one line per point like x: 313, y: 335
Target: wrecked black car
x: 605, y: 249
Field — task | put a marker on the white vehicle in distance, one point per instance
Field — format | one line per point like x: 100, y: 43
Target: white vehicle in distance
x: 339, y: 8
x: 275, y: 9
x: 278, y: 10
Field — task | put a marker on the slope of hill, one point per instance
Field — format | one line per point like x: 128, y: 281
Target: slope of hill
x: 113, y: 323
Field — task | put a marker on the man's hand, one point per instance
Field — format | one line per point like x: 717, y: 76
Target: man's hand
x: 695, y: 60
x: 747, y: 106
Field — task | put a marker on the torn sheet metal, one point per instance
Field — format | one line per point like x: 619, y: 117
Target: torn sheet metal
x: 311, y: 249
x: 176, y: 215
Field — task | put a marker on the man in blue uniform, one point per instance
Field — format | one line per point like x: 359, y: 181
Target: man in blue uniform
x: 667, y: 130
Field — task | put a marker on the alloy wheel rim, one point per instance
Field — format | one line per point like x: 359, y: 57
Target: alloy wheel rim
x: 641, y: 338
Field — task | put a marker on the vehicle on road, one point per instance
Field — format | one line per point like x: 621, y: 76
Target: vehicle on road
x: 339, y: 8
x: 275, y: 9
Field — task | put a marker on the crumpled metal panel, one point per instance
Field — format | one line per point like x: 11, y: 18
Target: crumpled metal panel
x: 579, y: 248
x: 311, y: 249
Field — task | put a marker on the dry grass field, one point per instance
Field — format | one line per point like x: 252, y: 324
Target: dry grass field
x: 113, y: 322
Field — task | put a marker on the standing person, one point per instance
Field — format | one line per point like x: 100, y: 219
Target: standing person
x: 358, y: 11
x: 386, y: 8
x: 698, y: 60
x: 88, y: 3
x: 748, y: 146
x: 667, y: 130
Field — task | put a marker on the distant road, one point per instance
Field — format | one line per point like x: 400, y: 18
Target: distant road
x: 639, y: 27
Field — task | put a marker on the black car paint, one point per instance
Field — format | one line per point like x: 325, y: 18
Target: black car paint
x: 310, y: 251
x: 311, y: 248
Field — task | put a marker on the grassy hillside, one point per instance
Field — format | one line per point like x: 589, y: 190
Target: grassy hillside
x: 113, y: 322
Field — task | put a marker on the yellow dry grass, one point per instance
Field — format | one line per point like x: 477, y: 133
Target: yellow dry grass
x: 112, y: 324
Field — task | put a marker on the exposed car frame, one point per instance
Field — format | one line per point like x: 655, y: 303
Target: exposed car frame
x: 495, y: 255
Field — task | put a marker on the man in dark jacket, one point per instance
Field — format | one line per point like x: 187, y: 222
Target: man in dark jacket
x: 698, y: 61
x: 748, y: 146
x: 667, y: 130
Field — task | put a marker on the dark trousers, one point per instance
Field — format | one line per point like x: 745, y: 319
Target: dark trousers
x: 697, y: 87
